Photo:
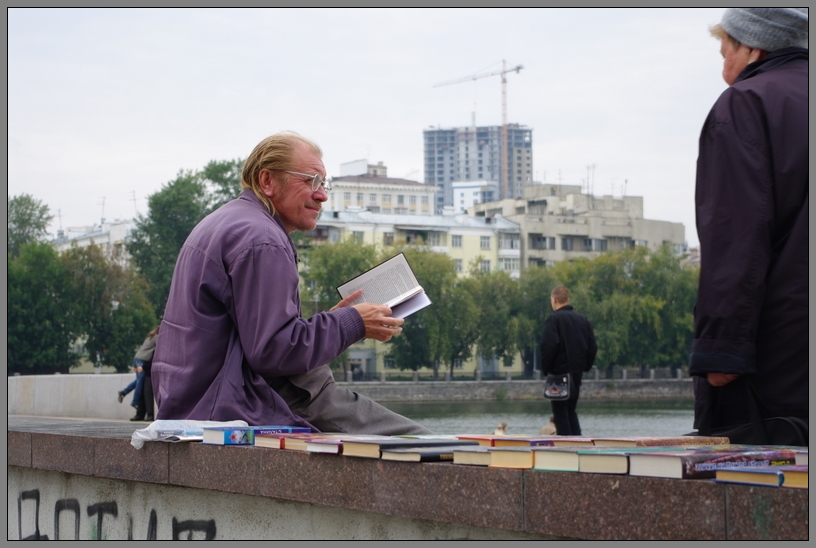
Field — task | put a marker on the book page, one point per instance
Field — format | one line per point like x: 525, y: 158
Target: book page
x: 390, y: 282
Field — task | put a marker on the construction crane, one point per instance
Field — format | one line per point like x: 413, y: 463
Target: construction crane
x: 505, y: 182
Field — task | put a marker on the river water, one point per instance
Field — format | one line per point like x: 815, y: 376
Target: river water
x: 659, y: 417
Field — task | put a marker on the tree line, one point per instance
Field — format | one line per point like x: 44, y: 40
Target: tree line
x: 640, y: 302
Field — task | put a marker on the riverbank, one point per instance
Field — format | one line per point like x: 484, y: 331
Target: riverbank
x: 95, y: 396
x: 602, y: 389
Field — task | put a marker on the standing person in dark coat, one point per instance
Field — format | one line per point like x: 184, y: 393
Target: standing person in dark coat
x: 751, y: 316
x: 567, y: 346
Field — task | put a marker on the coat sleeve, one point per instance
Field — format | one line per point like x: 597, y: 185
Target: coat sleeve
x: 276, y: 341
x: 592, y: 347
x: 549, y: 344
x: 734, y: 209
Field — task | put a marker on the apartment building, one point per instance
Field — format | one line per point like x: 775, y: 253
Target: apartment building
x: 493, y: 241
x: 110, y: 236
x: 474, y: 153
x: 367, y: 186
x: 560, y: 222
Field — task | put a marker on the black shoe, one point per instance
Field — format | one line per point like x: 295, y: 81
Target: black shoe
x: 137, y: 418
x: 121, y: 396
x: 149, y: 418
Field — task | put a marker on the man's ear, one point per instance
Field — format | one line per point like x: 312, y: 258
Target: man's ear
x: 267, y: 183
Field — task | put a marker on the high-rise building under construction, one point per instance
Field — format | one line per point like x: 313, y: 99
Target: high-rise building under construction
x: 474, y: 153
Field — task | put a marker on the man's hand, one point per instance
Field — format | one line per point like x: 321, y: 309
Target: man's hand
x: 720, y: 379
x: 378, y: 322
x: 348, y: 300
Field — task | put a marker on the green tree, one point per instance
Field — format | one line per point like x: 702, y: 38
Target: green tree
x: 157, y: 237
x: 422, y: 342
x: 42, y: 323
x: 533, y: 304
x: 458, y: 315
x: 28, y: 220
x: 498, y: 329
x: 328, y: 266
x: 110, y: 304
x: 222, y: 180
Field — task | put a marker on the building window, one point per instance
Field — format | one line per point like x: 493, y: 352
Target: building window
x: 456, y: 240
x: 509, y: 241
x: 386, y: 198
x: 388, y: 238
x: 359, y: 198
x: 412, y: 200
x: 424, y: 200
x: 434, y: 238
x: 587, y: 244
x: 400, y: 199
x: 457, y: 363
x: 509, y: 264
x: 357, y: 236
x: 389, y: 363
x: 372, y: 198
x: 484, y: 242
x: 347, y: 197
x: 566, y: 244
x: 484, y: 266
x: 457, y: 265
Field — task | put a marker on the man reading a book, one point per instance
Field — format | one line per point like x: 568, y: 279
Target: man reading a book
x: 233, y: 344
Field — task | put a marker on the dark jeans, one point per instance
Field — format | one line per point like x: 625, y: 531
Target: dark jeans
x: 564, y: 415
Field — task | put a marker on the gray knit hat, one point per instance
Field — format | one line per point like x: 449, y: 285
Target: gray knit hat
x: 767, y: 29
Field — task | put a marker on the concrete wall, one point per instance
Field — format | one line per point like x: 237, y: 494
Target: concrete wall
x: 50, y: 505
x: 94, y: 396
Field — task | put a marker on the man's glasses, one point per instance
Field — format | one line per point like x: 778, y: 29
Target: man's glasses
x: 317, y: 181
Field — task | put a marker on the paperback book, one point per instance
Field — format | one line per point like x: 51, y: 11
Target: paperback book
x: 443, y: 453
x: 704, y: 462
x: 559, y: 458
x: 512, y: 456
x: 475, y: 455
x: 524, y: 441
x: 286, y: 440
x: 374, y: 448
x: 391, y: 282
x: 243, y: 435
x: 791, y: 475
x: 665, y: 441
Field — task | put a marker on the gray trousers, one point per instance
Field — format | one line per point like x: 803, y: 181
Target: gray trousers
x: 315, y: 397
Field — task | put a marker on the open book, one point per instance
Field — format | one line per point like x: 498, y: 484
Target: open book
x: 391, y: 282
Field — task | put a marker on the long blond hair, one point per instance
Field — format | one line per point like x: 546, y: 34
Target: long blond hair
x: 275, y: 153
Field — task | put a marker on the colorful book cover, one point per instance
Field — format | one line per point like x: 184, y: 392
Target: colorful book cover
x: 791, y: 475
x: 645, y: 441
x: 524, y: 441
x: 228, y: 435
x: 703, y: 462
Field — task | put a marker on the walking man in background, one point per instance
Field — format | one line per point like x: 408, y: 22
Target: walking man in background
x: 751, y: 316
x: 567, y: 346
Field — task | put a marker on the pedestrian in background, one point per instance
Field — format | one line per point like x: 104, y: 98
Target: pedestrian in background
x: 567, y: 346
x: 141, y: 365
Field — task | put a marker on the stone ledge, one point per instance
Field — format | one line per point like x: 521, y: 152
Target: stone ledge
x: 566, y: 505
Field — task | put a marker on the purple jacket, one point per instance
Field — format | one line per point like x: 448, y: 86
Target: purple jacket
x: 233, y: 321
x: 751, y: 316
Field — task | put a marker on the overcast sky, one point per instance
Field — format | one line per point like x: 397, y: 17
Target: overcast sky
x: 107, y: 105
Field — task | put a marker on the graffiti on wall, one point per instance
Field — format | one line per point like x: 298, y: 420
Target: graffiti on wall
x: 99, y: 515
